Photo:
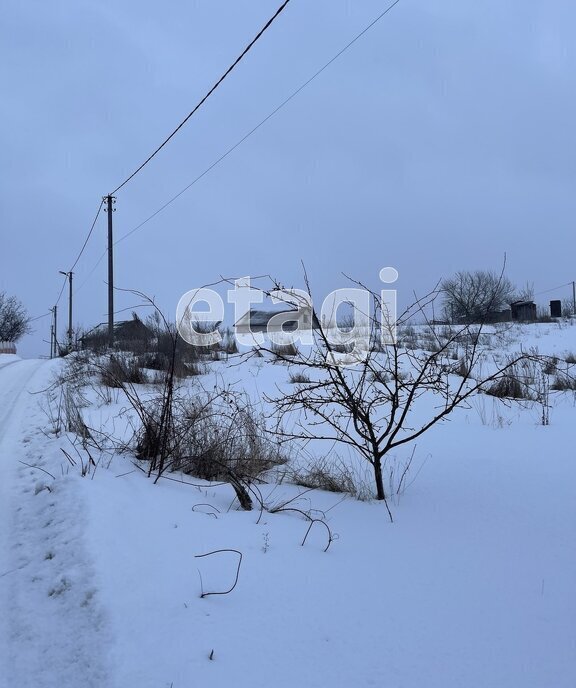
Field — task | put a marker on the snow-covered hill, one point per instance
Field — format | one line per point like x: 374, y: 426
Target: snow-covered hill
x: 472, y: 586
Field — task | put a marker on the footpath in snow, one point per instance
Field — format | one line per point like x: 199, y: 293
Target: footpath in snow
x: 51, y: 626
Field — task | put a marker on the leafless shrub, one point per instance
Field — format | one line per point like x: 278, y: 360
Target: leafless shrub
x: 407, y: 337
x: 197, y: 330
x: 524, y: 378
x: 94, y: 340
x: 325, y: 474
x: 507, y: 387
x: 213, y: 436
x: 73, y: 415
x: 570, y: 357
x: 195, y: 368
x: 120, y: 370
x: 401, y: 472
x: 551, y: 365
x: 65, y: 398
x: 87, y: 464
x: 282, y: 351
x: 183, y: 365
x: 221, y: 435
x: 462, y: 369
x: 568, y: 308
x: 51, y: 405
x: 380, y: 376
x: 228, y: 344
x: 80, y: 368
x: 543, y: 317
x: 564, y: 383
x: 154, y: 361
x: 133, y: 346
x: 299, y: 378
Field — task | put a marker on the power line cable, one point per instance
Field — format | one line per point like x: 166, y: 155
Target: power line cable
x: 260, y: 124
x: 92, y: 271
x: 246, y: 136
x: 205, y: 98
x: 546, y: 291
x: 80, y: 252
x: 88, y: 236
x: 39, y: 317
x: 61, y: 290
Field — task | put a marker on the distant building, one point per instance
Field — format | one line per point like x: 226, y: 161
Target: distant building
x: 274, y: 320
x: 7, y: 348
x: 132, y: 331
x: 129, y: 335
x: 523, y: 310
x: 556, y: 308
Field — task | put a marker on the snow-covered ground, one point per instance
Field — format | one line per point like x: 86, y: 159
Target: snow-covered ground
x: 472, y: 586
x: 51, y: 627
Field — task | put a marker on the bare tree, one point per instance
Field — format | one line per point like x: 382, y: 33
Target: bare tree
x: 14, y: 320
x: 568, y: 308
x: 375, y: 394
x: 525, y: 293
x: 470, y: 297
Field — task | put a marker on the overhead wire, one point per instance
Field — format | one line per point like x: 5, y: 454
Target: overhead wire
x: 88, y: 236
x: 92, y: 271
x: 260, y: 124
x: 39, y: 317
x: 546, y: 291
x: 61, y: 290
x: 229, y: 150
x: 246, y: 136
x: 80, y: 253
x: 208, y: 94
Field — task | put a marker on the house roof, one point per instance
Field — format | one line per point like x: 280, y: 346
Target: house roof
x: 134, y: 328
x: 260, y: 318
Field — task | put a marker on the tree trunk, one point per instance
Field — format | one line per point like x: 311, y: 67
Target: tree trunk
x: 241, y: 491
x: 380, y: 494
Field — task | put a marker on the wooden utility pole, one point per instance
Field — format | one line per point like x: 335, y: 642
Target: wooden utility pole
x: 110, y: 200
x: 69, y: 276
x: 70, y: 311
x: 573, y: 298
x: 54, y: 342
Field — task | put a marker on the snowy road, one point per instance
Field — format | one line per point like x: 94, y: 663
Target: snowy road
x: 51, y: 627
x: 15, y: 379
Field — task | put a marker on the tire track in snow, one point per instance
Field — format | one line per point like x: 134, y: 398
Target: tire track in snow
x: 14, y: 376
x: 53, y: 628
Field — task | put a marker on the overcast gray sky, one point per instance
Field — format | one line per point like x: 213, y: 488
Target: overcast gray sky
x: 441, y: 140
